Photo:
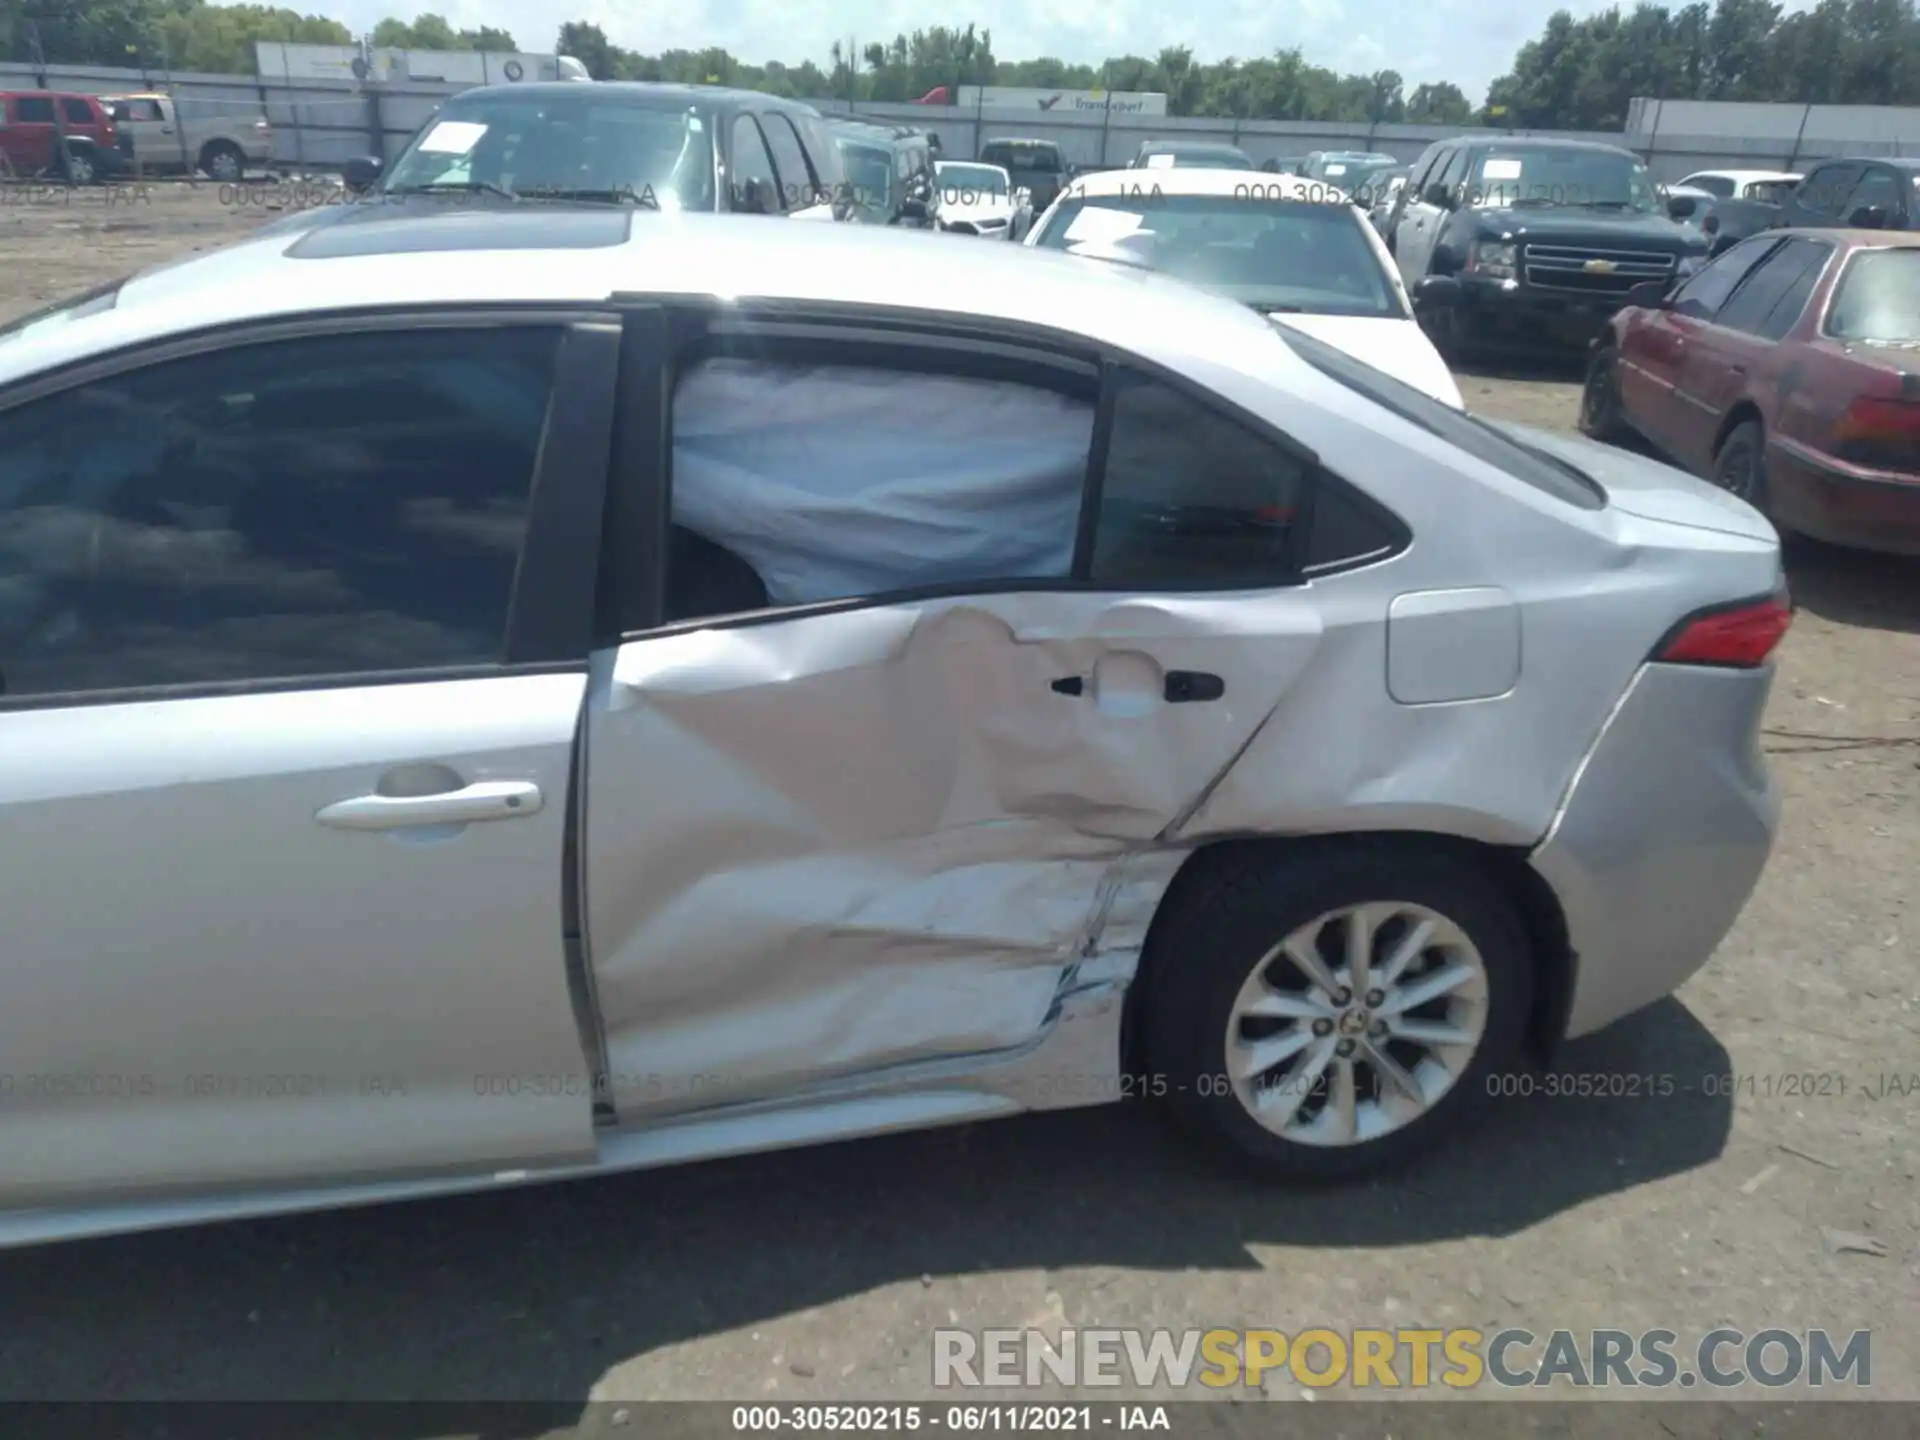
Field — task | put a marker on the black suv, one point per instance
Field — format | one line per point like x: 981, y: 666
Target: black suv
x: 670, y: 147
x: 1544, y: 237
x: 1036, y: 166
x: 890, y: 177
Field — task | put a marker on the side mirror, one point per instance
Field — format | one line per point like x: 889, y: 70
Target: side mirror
x: 1438, y: 196
x: 1437, y: 292
x: 1869, y: 217
x: 1681, y: 207
x: 361, y: 172
x: 1648, y: 295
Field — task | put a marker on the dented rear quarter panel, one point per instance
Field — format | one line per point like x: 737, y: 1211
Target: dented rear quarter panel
x: 833, y: 846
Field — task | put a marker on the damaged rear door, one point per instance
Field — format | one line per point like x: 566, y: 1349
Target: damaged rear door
x: 919, y: 635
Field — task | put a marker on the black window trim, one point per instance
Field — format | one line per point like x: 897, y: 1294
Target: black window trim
x: 1767, y: 243
x: 731, y: 183
x: 1782, y: 240
x: 644, y: 449
x: 546, y: 635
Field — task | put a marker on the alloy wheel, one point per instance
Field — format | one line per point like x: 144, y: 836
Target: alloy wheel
x: 1356, y: 1024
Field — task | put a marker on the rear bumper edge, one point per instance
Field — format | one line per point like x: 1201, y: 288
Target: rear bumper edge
x: 1662, y: 838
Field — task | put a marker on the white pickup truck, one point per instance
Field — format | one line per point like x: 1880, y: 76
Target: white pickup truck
x: 158, y: 133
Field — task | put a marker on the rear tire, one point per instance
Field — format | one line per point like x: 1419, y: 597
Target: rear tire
x: 77, y: 167
x: 1740, y: 464
x: 221, y: 160
x: 1600, y: 413
x: 1253, y: 1052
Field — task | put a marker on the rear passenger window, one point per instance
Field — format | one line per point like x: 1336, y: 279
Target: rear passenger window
x: 798, y: 188
x: 1765, y: 304
x: 1191, y: 498
x: 752, y: 186
x: 327, y: 506
x: 796, y: 483
x: 1701, y: 297
x: 33, y: 110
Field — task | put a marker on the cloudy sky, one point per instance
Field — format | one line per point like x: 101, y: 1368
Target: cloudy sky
x: 1453, y: 40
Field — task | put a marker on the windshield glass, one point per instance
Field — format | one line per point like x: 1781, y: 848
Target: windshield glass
x: 966, y: 182
x: 1361, y: 179
x: 63, y: 312
x: 1595, y: 179
x: 1039, y: 159
x: 869, y: 173
x: 1279, y: 255
x: 1878, y: 299
x: 1224, y: 158
x: 577, y: 146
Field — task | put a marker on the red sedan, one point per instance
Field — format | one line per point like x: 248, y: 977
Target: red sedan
x: 1788, y: 372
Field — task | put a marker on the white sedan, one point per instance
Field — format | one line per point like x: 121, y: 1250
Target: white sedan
x: 1294, y: 249
x: 978, y: 199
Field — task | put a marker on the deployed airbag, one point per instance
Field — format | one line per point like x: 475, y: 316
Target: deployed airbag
x: 835, y: 481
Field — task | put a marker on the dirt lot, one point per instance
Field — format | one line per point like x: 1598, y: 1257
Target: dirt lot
x: 819, y: 1274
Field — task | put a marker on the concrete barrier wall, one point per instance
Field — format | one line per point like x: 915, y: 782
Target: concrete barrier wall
x: 320, y: 124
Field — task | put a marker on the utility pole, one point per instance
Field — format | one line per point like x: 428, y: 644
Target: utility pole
x: 40, y: 74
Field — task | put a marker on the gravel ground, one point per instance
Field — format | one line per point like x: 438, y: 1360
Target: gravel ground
x: 817, y: 1275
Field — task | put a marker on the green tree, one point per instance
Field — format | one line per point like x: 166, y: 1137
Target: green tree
x: 588, y: 44
x: 1438, y: 104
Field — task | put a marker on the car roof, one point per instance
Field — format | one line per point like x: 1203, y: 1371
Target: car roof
x: 1198, y: 180
x: 1021, y: 140
x: 1216, y: 147
x: 1852, y: 239
x: 637, y: 92
x: 1537, y: 142
x: 876, y: 134
x: 1745, y: 177
x: 1897, y: 162
x: 444, y: 260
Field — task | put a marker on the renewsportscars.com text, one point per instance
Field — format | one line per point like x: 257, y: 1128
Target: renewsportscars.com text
x: 1457, y: 1359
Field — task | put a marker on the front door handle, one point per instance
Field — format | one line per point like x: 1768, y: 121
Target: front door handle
x: 488, y: 800
x: 1186, y: 687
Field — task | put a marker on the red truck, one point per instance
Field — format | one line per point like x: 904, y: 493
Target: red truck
x: 58, y: 133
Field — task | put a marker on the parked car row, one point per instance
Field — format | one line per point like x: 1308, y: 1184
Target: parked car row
x: 83, y: 138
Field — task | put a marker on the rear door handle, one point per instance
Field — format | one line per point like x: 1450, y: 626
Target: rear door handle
x: 488, y: 800
x: 1186, y: 687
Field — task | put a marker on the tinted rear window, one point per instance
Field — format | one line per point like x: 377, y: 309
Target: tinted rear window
x: 1463, y: 432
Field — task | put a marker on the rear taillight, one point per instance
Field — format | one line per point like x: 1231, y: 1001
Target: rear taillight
x: 1880, y: 433
x: 1733, y: 637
